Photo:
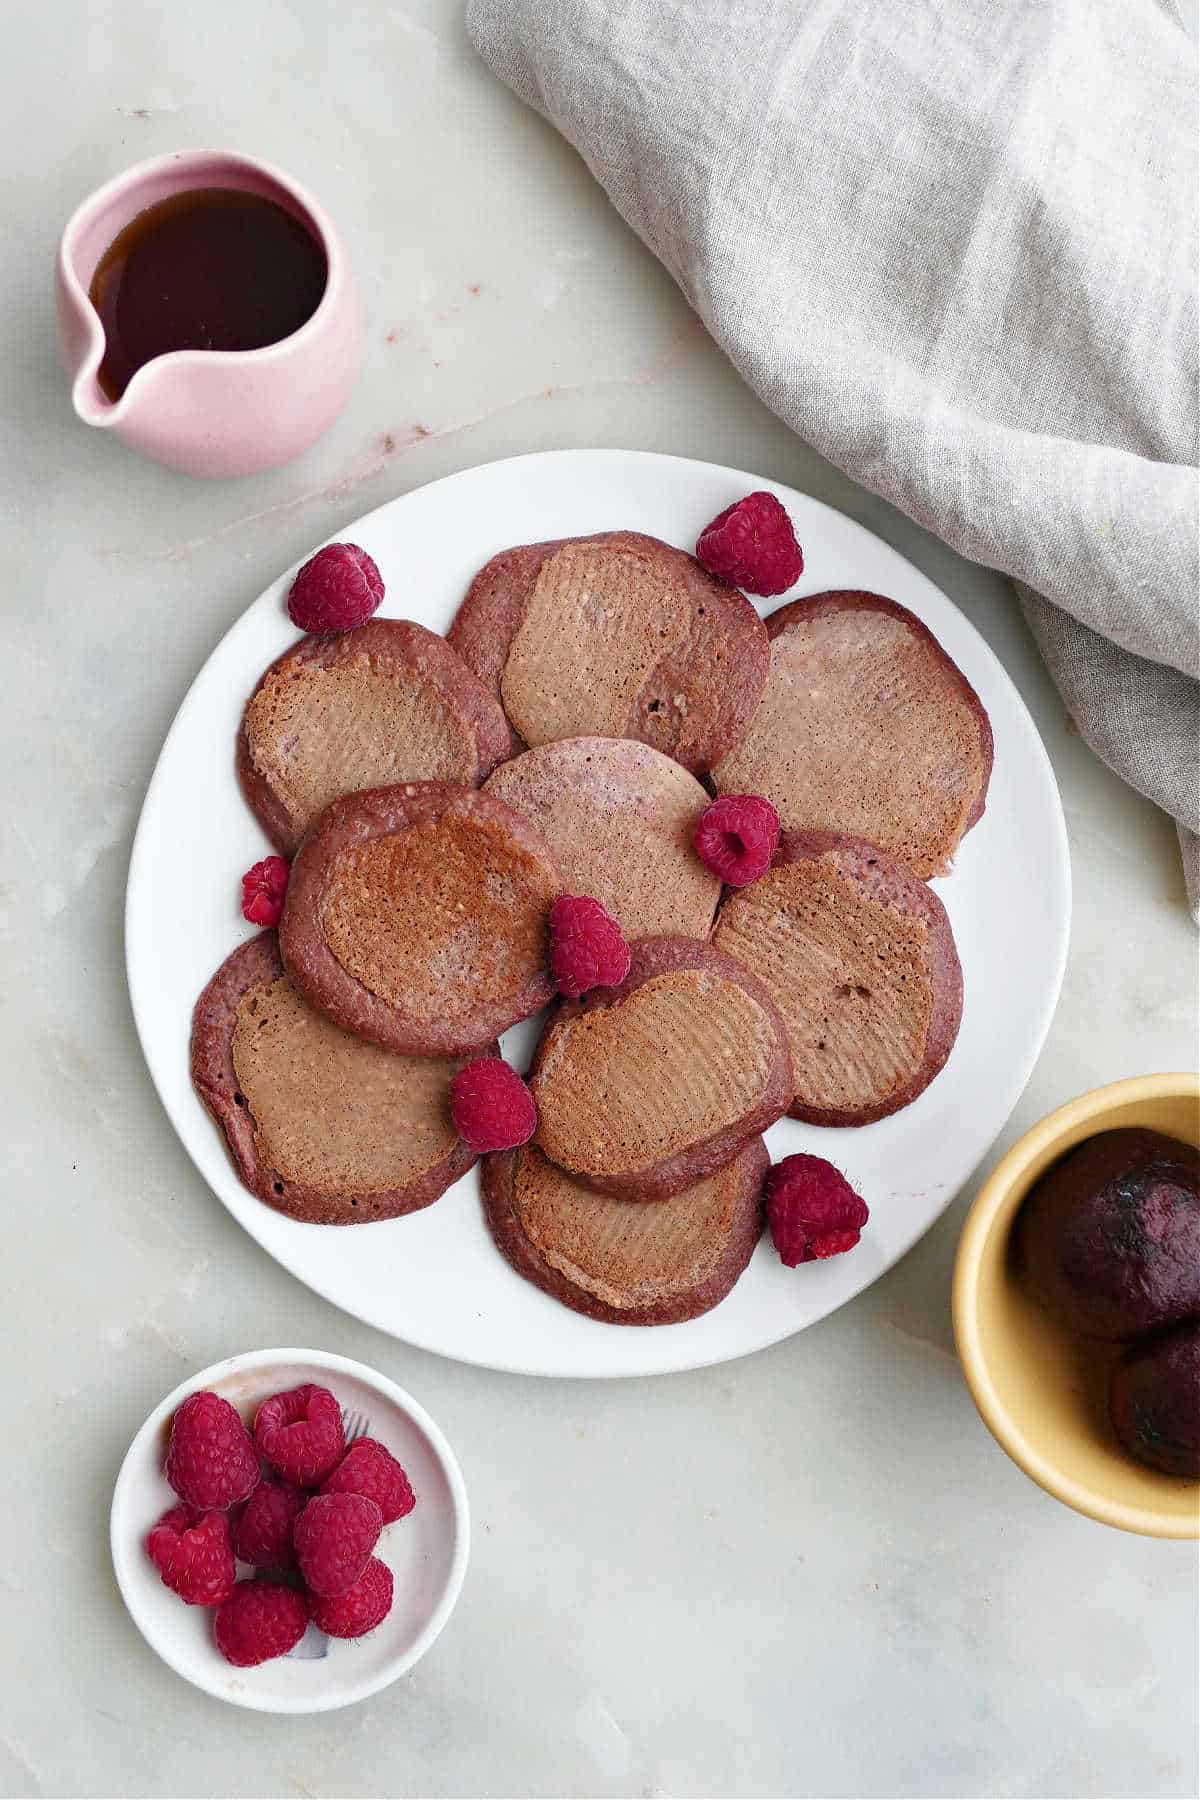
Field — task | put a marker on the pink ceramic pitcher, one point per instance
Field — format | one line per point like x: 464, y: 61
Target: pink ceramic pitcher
x: 210, y: 412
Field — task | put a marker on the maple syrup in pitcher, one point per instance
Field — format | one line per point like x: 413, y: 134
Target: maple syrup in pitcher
x: 211, y: 269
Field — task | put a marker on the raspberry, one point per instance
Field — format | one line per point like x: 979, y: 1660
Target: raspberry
x: 262, y: 1530
x: 334, y: 1537
x: 812, y: 1210
x: 180, y: 1518
x: 587, y: 946
x: 210, y: 1459
x: 300, y: 1434
x: 736, y: 837
x: 259, y: 1620
x: 191, y: 1552
x: 752, y: 544
x: 360, y: 1609
x: 263, y: 888
x: 337, y: 589
x: 368, y: 1468
x: 491, y: 1107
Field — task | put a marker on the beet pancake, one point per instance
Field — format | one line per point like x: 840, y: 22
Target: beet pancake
x: 320, y: 1125
x: 619, y: 1260
x: 389, y: 702
x: 858, y: 956
x: 866, y: 727
x: 645, y: 1089
x: 620, y: 818
x: 616, y: 635
x: 416, y: 916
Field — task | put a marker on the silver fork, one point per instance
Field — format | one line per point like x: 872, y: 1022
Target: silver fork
x: 355, y: 1425
x: 314, y: 1644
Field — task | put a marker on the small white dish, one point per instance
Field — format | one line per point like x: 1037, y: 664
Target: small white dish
x: 426, y: 1552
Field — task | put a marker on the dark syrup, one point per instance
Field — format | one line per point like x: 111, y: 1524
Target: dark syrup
x: 212, y: 269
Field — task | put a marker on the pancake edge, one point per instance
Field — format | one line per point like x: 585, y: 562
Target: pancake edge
x: 916, y: 898
x: 504, y: 1222
x: 652, y: 956
x: 490, y: 615
x: 401, y: 641
x: 257, y: 963
x: 314, y: 970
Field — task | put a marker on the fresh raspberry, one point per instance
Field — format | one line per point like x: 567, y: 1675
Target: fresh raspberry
x: 812, y: 1210
x: 191, y: 1552
x: 180, y: 1517
x: 587, y: 946
x: 368, y: 1468
x: 491, y: 1107
x: 263, y: 888
x: 736, y: 837
x: 262, y: 1530
x: 260, y: 1619
x: 752, y: 544
x: 337, y: 589
x: 334, y: 1537
x: 360, y: 1609
x: 210, y: 1459
x: 300, y: 1434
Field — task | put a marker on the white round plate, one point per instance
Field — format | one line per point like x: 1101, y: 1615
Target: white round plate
x: 426, y: 1552
x: 435, y: 1279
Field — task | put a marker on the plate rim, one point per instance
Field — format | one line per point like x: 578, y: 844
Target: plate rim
x: 1014, y: 1088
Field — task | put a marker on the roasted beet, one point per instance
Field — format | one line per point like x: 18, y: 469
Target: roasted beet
x: 1154, y: 1400
x: 1110, y: 1238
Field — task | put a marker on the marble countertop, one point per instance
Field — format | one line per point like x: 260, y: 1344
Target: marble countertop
x: 807, y: 1573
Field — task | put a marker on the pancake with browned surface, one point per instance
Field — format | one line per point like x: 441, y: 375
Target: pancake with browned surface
x: 320, y: 1125
x: 416, y: 916
x: 619, y: 817
x: 645, y: 1089
x: 617, y: 635
x: 386, y: 703
x: 859, y: 957
x: 620, y: 1260
x: 865, y: 727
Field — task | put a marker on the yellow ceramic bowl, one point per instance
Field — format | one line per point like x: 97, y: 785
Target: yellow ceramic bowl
x: 1041, y: 1391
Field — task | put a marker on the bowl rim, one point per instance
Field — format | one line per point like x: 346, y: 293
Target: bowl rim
x: 248, y: 1361
x: 996, y: 1194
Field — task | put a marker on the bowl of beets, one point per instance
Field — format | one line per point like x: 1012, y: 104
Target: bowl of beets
x: 1077, y: 1304
x: 290, y: 1530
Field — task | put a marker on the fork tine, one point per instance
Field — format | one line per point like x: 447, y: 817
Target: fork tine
x: 355, y: 1425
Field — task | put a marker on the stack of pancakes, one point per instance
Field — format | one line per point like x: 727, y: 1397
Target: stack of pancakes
x: 436, y: 796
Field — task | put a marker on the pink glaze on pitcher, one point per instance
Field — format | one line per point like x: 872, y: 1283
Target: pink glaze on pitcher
x: 211, y: 412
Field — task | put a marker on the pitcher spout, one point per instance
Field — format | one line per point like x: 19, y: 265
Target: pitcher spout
x: 82, y: 337
x: 88, y: 398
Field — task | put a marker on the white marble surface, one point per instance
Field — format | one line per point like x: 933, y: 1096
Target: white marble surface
x: 809, y: 1573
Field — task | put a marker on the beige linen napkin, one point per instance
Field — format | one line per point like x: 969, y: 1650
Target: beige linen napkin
x: 953, y: 243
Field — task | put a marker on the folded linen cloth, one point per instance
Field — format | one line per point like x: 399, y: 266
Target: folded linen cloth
x: 953, y: 243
